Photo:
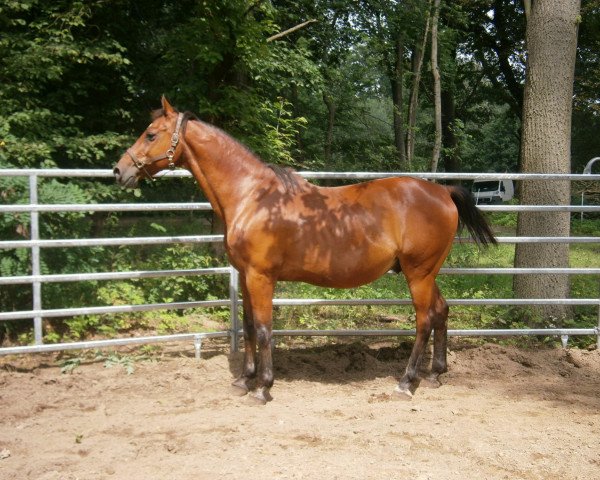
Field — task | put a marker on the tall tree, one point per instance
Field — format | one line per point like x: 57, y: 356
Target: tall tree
x: 437, y: 88
x: 545, y: 148
x: 385, y: 23
x: 417, y: 66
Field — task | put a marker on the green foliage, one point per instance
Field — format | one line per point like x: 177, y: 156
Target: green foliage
x: 137, y: 292
x: 124, y: 361
x: 490, y: 139
x: 56, y: 65
x: 70, y: 364
x: 279, y: 140
x: 587, y: 227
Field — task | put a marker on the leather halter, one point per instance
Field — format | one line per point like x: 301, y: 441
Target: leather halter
x: 168, y: 155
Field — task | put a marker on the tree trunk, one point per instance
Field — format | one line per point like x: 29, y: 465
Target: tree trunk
x: 437, y: 90
x: 294, y: 98
x: 396, y: 79
x: 545, y: 148
x: 330, y: 122
x: 419, y: 55
x: 451, y: 158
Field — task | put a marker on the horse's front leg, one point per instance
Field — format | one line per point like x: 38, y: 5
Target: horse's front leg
x: 260, y: 288
x: 241, y: 385
x: 439, y: 316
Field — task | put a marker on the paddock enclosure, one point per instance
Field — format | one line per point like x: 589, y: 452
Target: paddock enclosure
x: 35, y: 209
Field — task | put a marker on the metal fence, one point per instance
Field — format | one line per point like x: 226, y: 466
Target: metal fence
x: 37, y: 314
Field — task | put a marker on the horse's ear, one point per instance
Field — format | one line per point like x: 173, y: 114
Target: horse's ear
x: 167, y: 108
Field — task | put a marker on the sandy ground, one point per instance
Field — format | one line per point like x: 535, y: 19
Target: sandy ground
x: 502, y: 413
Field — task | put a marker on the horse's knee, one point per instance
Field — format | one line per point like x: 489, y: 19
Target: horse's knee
x: 264, y: 334
x: 249, y: 336
x: 439, y: 314
x: 443, y: 309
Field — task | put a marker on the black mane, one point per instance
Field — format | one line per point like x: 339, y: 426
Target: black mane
x: 287, y: 176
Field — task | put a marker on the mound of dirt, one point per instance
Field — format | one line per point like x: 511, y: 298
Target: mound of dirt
x: 502, y: 412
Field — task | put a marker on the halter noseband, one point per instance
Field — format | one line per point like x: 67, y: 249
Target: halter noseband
x: 168, y: 155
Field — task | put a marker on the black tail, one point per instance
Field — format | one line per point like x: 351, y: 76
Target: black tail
x: 470, y: 216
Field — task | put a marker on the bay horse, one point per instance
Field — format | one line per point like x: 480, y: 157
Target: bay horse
x: 278, y: 226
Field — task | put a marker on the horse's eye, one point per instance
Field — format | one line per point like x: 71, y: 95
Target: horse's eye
x: 151, y: 137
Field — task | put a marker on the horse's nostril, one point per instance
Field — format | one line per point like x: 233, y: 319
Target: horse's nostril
x: 116, y: 172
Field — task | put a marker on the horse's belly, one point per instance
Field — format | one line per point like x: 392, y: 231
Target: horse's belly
x: 340, y: 270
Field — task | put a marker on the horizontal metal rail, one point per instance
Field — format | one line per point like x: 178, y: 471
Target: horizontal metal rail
x: 68, y: 172
x: 544, y: 240
x: 118, y: 241
x: 204, y: 206
x: 132, y: 275
x: 106, y: 207
x: 447, y: 176
x: 518, y: 271
x: 453, y: 333
x: 106, y: 173
x: 293, y: 302
x: 114, y: 342
x: 286, y: 302
x: 73, y: 312
x: 107, y: 242
x: 539, y: 208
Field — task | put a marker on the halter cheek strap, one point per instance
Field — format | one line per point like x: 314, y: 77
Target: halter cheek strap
x: 169, y: 155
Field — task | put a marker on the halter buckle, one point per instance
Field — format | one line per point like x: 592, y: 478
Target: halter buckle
x: 169, y: 155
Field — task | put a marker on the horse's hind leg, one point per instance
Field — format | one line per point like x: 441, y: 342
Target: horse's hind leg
x: 423, y: 294
x: 439, y: 318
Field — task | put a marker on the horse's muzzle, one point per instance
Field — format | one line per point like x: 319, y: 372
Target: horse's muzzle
x: 127, y: 180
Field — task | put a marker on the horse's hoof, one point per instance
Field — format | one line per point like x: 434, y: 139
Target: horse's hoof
x: 252, y: 399
x: 239, y: 388
x: 237, y: 391
x: 430, y: 382
x: 401, y: 393
x: 260, y: 396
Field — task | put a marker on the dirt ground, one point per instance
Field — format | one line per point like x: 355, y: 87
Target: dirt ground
x: 502, y: 413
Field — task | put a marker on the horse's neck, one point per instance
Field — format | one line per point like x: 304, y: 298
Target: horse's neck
x: 224, y: 169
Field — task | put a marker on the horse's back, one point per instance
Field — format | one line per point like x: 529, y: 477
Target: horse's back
x: 413, y: 203
x: 351, y: 235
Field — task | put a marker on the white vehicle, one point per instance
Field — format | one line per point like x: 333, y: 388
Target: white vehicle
x: 493, y: 191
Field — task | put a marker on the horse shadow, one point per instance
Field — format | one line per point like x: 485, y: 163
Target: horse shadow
x: 337, y: 363
x: 513, y: 376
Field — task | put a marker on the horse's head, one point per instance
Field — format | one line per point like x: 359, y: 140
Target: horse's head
x: 158, y: 148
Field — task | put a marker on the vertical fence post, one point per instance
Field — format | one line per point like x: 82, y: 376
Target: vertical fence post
x: 598, y: 329
x: 234, y: 308
x: 35, y: 260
